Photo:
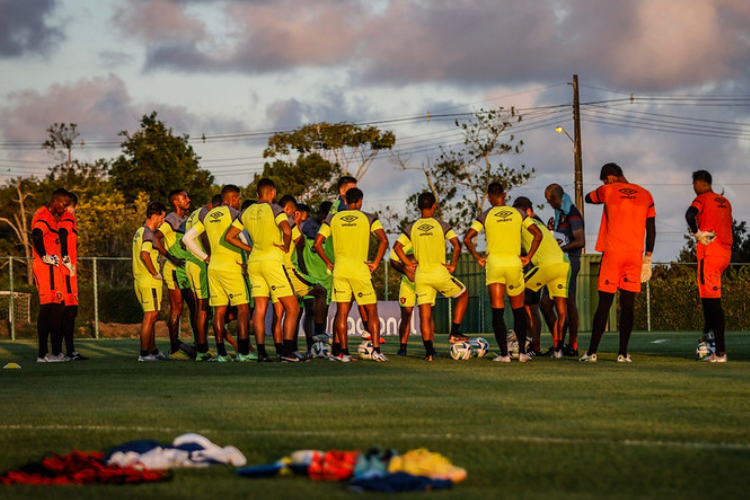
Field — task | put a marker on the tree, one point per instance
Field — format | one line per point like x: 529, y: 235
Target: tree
x: 346, y: 146
x: 308, y: 179
x: 61, y: 141
x: 740, y: 245
x: 155, y: 161
x: 459, y: 179
x: 18, y: 215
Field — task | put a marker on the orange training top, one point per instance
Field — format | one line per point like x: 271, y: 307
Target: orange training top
x: 626, y: 208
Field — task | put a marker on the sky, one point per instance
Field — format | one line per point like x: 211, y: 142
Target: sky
x: 664, y: 85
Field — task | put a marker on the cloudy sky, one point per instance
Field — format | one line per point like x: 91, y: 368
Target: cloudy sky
x: 237, y: 70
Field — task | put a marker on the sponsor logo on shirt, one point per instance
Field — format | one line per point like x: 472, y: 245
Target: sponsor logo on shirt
x: 629, y: 193
x: 426, y: 229
x: 503, y: 215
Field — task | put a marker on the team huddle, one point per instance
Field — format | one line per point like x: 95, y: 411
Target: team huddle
x: 231, y: 258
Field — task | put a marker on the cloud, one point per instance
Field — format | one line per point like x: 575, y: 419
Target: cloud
x: 112, y: 59
x: 102, y: 107
x: 639, y: 45
x: 24, y: 28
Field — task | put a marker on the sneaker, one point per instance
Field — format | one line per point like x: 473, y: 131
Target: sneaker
x: 55, y: 358
x: 179, y: 355
x: 290, y: 359
x: 557, y: 354
x: 161, y: 356
x: 265, y: 358
x: 588, y: 358
x: 379, y: 357
x: 323, y: 337
x: 624, y: 359
x: 401, y: 352
x: 713, y: 358
x: 204, y: 356
x: 502, y: 359
x: 344, y: 358
x: 570, y: 351
x: 148, y: 358
x: 429, y: 357
x: 41, y: 360
x: 331, y: 357
x: 534, y: 354
x: 77, y: 356
x: 299, y: 356
x: 524, y: 358
x: 366, y: 336
x: 221, y: 359
x: 246, y: 358
x: 457, y: 339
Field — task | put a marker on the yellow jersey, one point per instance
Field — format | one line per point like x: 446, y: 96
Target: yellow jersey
x: 224, y: 257
x: 548, y: 251
x: 262, y: 222
x: 502, y: 226
x: 143, y: 241
x: 350, y: 231
x: 428, y: 237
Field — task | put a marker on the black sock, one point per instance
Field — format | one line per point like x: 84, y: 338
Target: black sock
x: 627, y: 306
x: 279, y: 348
x: 310, y: 342
x: 287, y: 348
x: 201, y: 348
x: 376, y: 349
x: 428, y: 348
x: 221, y: 349
x: 262, y: 350
x: 345, y: 352
x: 716, y: 312
x: 336, y: 349
x: 144, y: 353
x: 154, y: 352
x: 68, y: 327
x: 243, y: 345
x: 520, y: 320
x: 501, y: 332
x: 174, y: 346
x: 402, y: 347
x: 320, y: 328
x: 455, y: 329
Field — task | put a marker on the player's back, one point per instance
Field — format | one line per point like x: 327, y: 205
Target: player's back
x: 350, y: 232
x: 428, y: 236
x: 715, y: 214
x: 627, y: 206
x: 261, y: 222
x: 143, y: 240
x: 45, y: 222
x: 502, y: 226
x: 548, y: 250
x: 224, y: 257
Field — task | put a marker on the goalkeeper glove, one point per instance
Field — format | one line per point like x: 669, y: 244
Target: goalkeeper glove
x: 646, y: 269
x: 69, y: 265
x: 51, y: 260
x: 705, y: 237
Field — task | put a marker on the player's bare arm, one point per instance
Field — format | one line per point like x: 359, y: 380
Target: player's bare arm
x: 456, y: 255
x: 471, y: 234
x: 382, y: 247
x: 537, y: 234
x: 318, y: 247
x: 232, y: 237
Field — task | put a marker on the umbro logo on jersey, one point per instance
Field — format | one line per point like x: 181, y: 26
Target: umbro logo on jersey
x: 503, y: 214
x: 349, y: 218
x: 629, y: 193
x: 425, y: 227
x: 215, y: 215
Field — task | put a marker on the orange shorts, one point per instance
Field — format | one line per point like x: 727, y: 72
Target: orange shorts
x: 620, y: 270
x: 70, y: 289
x: 49, y: 283
x: 710, y: 268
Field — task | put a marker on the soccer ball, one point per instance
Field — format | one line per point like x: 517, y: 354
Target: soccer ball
x: 513, y: 346
x: 461, y: 351
x: 319, y: 350
x: 561, y: 238
x: 365, y: 350
x: 704, y: 350
x: 479, y: 347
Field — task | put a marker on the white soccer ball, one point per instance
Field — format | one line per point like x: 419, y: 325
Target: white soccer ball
x: 561, y: 238
x: 319, y: 350
x: 365, y: 350
x: 704, y: 350
x: 461, y: 351
x: 479, y: 347
x: 513, y: 346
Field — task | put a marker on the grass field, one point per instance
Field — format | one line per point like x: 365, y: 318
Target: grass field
x: 664, y: 426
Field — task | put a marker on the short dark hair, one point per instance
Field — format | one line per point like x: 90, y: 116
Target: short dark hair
x: 426, y: 200
x: 60, y: 193
x: 73, y: 199
x: 702, y: 175
x: 174, y: 193
x: 229, y: 188
x: 346, y: 179
x: 216, y: 200
x: 286, y: 200
x: 155, y: 208
x: 610, y: 169
x: 303, y: 207
x: 523, y: 203
x: 325, y: 207
x: 354, y: 195
x: 247, y: 203
x: 264, y: 185
x: 495, y: 189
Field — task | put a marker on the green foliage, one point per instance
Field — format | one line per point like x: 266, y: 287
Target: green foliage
x: 155, y: 161
x: 310, y: 179
x: 61, y: 141
x: 740, y: 245
x: 349, y: 148
x: 459, y: 178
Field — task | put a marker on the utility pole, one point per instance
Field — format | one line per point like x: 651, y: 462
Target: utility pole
x: 577, y: 145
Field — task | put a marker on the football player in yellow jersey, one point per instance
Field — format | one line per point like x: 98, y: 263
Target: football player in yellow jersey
x: 197, y: 273
x: 352, y: 274
x: 407, y: 296
x: 312, y: 265
x: 549, y: 266
x: 427, y: 236
x: 148, y: 280
x: 504, y: 265
x: 271, y: 234
x: 226, y: 280
x: 178, y: 286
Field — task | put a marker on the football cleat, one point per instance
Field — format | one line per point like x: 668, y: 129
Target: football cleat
x: 713, y: 358
x: 246, y: 358
x: 264, y: 358
x: 55, y: 358
x: 524, y: 358
x: 570, y: 351
x: 457, y: 339
x: 429, y: 357
x: 161, y: 356
x: 204, y: 356
x: 344, y: 358
x: 221, y: 359
x: 290, y: 359
x: 179, y: 356
x: 77, y: 356
x: 502, y: 359
x: 624, y: 359
x: 401, y: 352
x: 147, y: 358
x: 379, y: 357
x: 588, y: 358
x: 556, y: 354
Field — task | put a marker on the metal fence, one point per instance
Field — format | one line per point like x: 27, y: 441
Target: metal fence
x: 669, y: 302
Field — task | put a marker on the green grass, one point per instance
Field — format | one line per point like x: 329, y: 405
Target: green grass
x: 664, y: 426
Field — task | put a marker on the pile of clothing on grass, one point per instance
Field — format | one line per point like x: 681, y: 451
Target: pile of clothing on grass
x: 129, y: 463
x: 377, y: 469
